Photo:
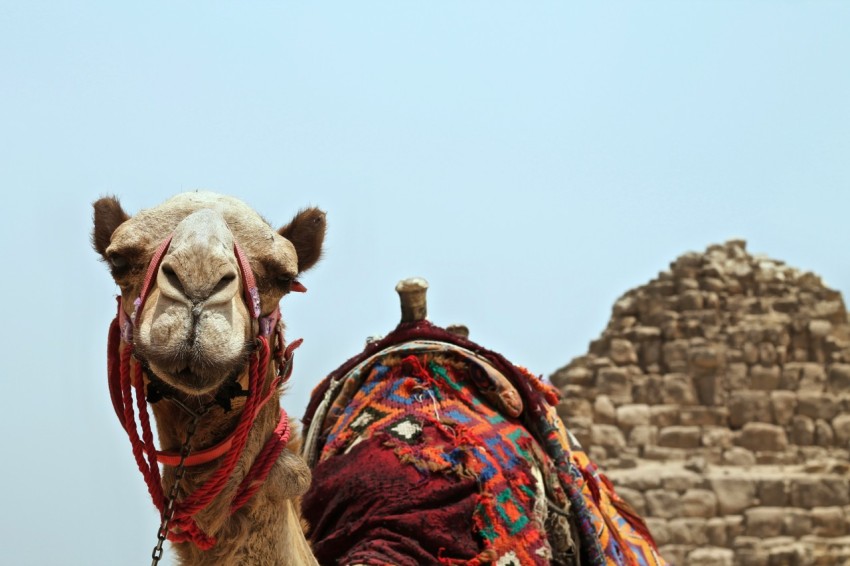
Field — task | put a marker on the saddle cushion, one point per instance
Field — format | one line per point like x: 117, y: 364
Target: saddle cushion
x: 418, y: 458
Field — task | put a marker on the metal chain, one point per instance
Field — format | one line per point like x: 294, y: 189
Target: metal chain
x: 170, y: 502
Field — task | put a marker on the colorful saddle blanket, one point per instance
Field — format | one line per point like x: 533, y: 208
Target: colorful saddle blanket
x: 428, y: 449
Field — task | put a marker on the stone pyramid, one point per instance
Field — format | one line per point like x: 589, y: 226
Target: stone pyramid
x: 718, y: 399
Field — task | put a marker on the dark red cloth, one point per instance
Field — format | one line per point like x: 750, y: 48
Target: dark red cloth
x: 364, y: 508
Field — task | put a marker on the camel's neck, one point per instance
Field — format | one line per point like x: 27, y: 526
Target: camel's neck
x: 267, y: 529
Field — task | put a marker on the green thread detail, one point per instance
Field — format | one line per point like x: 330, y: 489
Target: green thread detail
x: 515, y: 526
x: 514, y: 438
x: 487, y: 531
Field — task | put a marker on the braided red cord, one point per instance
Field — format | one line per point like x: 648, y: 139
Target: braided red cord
x: 263, y: 464
x: 185, y: 529
x: 215, y: 484
x: 147, y: 435
x: 154, y: 487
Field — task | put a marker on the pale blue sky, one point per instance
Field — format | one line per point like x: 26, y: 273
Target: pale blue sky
x: 532, y: 160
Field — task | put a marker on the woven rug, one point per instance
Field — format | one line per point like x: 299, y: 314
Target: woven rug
x: 429, y: 449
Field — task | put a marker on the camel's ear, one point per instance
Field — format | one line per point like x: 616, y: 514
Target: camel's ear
x: 108, y: 215
x: 306, y: 232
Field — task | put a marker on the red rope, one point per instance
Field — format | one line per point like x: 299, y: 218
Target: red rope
x: 263, y: 464
x: 154, y: 487
x: 215, y: 484
x: 145, y: 454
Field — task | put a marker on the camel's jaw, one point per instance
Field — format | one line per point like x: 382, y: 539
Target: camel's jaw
x: 196, y: 378
x: 194, y: 351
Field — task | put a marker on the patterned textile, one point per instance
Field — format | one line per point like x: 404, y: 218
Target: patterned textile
x: 428, y: 449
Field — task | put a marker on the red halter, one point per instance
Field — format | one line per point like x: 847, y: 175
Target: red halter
x: 124, y: 375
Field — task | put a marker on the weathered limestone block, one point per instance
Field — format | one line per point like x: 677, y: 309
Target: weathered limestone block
x: 841, y: 426
x: 674, y: 355
x: 749, y: 406
x: 764, y: 378
x: 781, y: 355
x: 598, y: 453
x: 828, y: 522
x: 716, y: 437
x: 675, y: 553
x: 604, y: 411
x: 802, y: 431
x: 812, y: 377
x: 649, y: 353
x: 789, y: 554
x: 664, y: 415
x: 687, y: 531
x: 704, y: 416
x: 615, y: 383
x: 787, y: 458
x: 691, y: 300
x: 577, y: 375
x: 783, y: 404
x: 817, y: 405
x: 764, y: 522
x: 607, y: 436
x: 577, y: 391
x: 823, y: 433
x: 711, y: 556
x: 737, y: 377
x: 641, y: 479
x: 717, y: 532
x: 733, y: 356
x: 737, y: 456
x: 678, y: 389
x: 797, y: 522
x: 679, y: 479
x: 658, y: 528
x: 734, y: 527
x: 767, y: 355
x: 710, y: 388
x: 763, y: 437
x: 713, y: 284
x: 749, y: 551
x: 622, y: 352
x: 833, y: 311
x: 839, y: 378
x: 643, y: 435
x: 706, y: 358
x: 663, y: 503
x: 699, y: 503
x: 573, y: 407
x: 633, y: 415
x: 679, y: 437
x: 751, y: 353
x: 664, y: 453
x: 820, y: 328
x: 595, y: 362
x: 819, y: 491
x: 773, y: 492
x: 734, y: 494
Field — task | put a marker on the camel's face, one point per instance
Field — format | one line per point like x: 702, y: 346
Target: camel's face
x: 195, y: 330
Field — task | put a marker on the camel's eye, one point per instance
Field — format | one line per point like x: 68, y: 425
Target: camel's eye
x: 285, y: 282
x: 118, y: 261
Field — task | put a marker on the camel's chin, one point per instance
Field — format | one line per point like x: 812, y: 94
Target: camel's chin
x: 194, y: 382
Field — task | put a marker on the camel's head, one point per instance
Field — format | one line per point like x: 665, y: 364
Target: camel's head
x: 195, y: 329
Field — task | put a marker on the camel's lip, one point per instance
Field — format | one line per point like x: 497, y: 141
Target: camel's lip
x: 191, y: 381
x: 194, y: 375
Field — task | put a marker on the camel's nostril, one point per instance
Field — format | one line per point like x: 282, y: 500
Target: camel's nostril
x: 223, y: 283
x: 173, y: 279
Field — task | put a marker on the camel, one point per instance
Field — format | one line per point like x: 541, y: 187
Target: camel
x: 195, y: 335
x: 198, y: 339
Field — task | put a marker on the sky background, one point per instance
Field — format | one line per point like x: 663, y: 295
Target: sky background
x: 533, y: 161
